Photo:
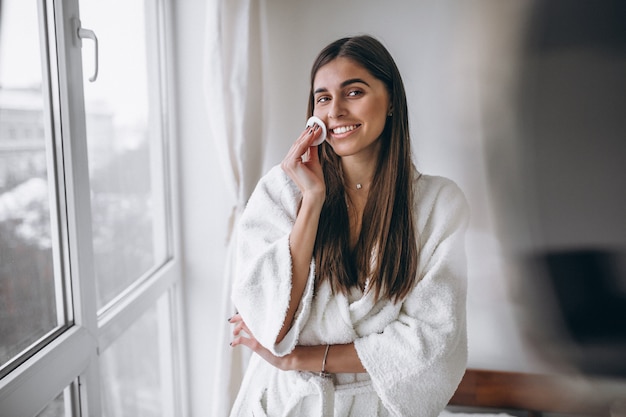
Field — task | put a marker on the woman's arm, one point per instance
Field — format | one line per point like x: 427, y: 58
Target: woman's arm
x: 301, y: 242
x: 339, y: 358
x: 308, y: 176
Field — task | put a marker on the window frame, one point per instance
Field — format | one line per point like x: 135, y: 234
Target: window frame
x: 70, y: 356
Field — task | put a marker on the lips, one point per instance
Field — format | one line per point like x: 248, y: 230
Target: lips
x: 344, y: 129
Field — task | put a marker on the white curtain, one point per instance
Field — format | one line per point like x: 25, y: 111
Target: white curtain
x: 233, y: 87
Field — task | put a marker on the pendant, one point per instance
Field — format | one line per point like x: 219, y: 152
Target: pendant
x: 359, y: 186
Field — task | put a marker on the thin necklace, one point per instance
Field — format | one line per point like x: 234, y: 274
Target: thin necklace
x: 360, y: 185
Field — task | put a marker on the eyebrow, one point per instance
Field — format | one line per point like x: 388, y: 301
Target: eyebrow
x: 343, y: 84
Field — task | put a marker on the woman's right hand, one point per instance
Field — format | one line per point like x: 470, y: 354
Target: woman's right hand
x: 306, y: 172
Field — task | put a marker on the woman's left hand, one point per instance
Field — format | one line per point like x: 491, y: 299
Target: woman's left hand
x: 248, y: 340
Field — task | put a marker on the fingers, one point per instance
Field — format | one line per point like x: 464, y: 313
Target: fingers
x: 308, y: 136
x: 250, y: 343
x: 239, y: 325
x: 236, y: 318
x: 247, y: 339
x: 314, y: 134
x: 301, y: 146
x: 313, y: 155
x: 302, y: 163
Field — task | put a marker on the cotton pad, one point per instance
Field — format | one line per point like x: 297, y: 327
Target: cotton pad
x: 316, y: 120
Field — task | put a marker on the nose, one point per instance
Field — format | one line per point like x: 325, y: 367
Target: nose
x: 336, y: 109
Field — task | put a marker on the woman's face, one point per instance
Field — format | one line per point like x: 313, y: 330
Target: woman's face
x: 353, y: 104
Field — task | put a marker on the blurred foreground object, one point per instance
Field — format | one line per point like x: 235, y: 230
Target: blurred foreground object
x: 589, y: 292
x: 561, y: 183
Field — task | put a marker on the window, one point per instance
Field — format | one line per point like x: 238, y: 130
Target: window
x: 124, y: 147
x: 58, y: 407
x: 29, y: 282
x: 89, y: 267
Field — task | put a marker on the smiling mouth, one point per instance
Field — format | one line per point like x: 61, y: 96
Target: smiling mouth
x: 344, y: 129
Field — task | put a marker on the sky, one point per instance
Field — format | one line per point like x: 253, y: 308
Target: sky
x: 19, y: 20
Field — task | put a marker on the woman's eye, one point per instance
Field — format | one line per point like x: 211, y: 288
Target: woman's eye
x: 322, y: 99
x: 354, y: 93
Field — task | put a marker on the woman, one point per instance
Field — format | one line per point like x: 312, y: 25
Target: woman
x: 350, y: 280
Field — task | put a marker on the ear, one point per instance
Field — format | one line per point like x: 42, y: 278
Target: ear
x: 390, y: 110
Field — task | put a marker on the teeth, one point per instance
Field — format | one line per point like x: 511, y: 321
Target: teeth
x: 344, y: 129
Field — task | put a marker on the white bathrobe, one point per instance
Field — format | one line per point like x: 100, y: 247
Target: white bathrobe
x: 414, y: 351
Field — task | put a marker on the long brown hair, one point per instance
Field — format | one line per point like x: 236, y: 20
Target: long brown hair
x: 386, y: 250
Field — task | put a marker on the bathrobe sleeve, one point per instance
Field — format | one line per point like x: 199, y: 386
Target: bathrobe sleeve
x: 417, y: 361
x: 262, y: 283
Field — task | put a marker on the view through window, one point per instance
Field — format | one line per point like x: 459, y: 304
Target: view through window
x: 123, y: 138
x: 28, y: 286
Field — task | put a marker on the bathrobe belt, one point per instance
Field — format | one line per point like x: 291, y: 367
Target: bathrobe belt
x: 327, y: 390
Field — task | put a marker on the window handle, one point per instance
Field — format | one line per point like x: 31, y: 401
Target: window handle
x: 89, y: 34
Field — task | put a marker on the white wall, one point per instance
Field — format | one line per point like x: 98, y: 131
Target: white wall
x: 444, y: 50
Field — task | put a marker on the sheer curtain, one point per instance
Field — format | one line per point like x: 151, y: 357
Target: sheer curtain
x: 233, y: 87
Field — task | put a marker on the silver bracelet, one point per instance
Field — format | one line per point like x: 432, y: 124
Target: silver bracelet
x: 323, y: 373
